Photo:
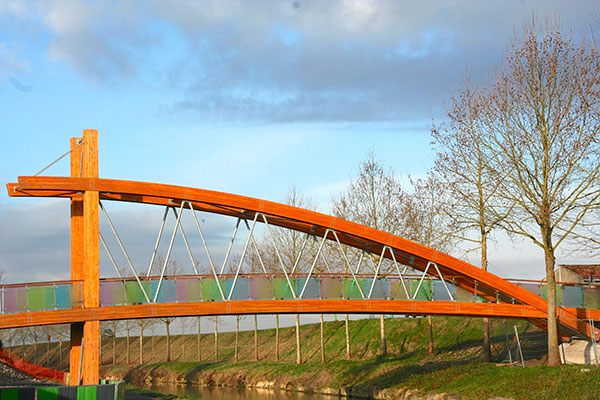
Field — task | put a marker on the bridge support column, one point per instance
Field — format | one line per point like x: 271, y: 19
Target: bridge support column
x: 85, y: 261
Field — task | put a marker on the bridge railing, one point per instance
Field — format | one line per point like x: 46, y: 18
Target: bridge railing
x: 43, y: 296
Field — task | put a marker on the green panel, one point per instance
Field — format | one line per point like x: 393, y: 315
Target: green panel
x: 351, y: 288
x: 424, y: 291
x: 281, y: 288
x: 86, y: 393
x: 396, y: 289
x: 40, y: 298
x: 9, y: 394
x: 544, y: 293
x: 461, y: 294
x: 210, y: 289
x: 47, y: 393
x: 591, y: 297
x: 134, y: 293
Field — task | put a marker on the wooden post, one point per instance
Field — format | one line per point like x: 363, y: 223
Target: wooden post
x: 85, y: 251
x: 322, y: 342
x: 298, y: 351
x: 382, y: 330
x: 255, y: 338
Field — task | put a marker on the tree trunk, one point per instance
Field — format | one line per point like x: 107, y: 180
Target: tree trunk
x: 322, y: 341
x: 48, y: 354
x: 553, y: 354
x: 216, y: 340
x: 60, y: 356
x: 199, y: 338
x: 35, y: 350
x: 182, y: 347
x: 168, y: 341
x: 276, y: 337
x: 237, y: 334
x: 382, y: 329
x: 153, y: 349
x: 255, y: 338
x: 298, y: 351
x: 127, y: 345
x: 487, y: 348
x: 430, y: 325
x: 114, y: 348
x: 348, y: 354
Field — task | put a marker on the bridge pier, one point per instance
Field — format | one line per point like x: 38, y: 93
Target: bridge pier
x: 84, y: 355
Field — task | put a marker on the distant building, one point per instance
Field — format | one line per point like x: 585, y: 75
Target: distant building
x: 581, y: 273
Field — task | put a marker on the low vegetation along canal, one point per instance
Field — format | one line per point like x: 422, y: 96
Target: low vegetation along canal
x: 222, y: 393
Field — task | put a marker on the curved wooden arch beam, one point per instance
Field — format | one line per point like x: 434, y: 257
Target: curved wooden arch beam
x: 351, y: 233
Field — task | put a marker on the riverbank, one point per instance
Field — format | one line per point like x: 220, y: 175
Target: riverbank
x: 406, y: 372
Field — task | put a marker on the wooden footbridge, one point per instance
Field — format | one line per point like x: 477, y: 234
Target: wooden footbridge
x: 442, y: 285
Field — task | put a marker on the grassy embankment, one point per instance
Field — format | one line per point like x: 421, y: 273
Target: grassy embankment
x: 455, y: 368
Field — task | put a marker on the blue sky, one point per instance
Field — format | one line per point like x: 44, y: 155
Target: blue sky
x: 243, y: 97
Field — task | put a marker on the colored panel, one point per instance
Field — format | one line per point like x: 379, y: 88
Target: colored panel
x: 9, y: 394
x: 62, y: 294
x: 210, y: 289
x: 112, y: 293
x: 544, y: 292
x: 134, y: 292
x: 168, y: 291
x: 439, y: 290
x: 331, y: 288
x: 396, y: 289
x: 86, y: 393
x: 67, y: 393
x: 281, y: 288
x: 312, y: 290
x: 77, y: 295
x: 591, y: 297
x: 352, y: 288
x: 40, y: 298
x: 424, y: 292
x: 189, y: 290
x: 531, y: 287
x: 379, y: 290
x: 462, y: 294
x: 10, y: 301
x: 105, y: 392
x: 261, y: 288
x: 27, y: 393
x: 241, y: 291
x: 572, y: 296
x: 47, y: 393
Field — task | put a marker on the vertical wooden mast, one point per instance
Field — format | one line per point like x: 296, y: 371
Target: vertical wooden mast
x: 85, y: 259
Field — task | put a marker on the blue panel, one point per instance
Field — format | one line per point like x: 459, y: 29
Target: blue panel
x: 63, y: 297
x: 313, y: 288
x: 379, y: 289
x: 241, y: 290
x: 440, y: 292
x: 168, y: 291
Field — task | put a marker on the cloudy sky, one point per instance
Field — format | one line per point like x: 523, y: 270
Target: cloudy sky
x: 245, y: 97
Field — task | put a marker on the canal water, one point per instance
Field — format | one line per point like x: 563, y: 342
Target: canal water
x: 223, y: 393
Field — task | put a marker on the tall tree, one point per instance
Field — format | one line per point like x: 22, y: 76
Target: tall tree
x: 463, y: 165
x: 543, y: 126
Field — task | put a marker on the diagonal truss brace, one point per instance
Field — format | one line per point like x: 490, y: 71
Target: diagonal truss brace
x: 429, y: 264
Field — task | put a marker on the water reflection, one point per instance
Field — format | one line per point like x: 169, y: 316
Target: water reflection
x: 222, y: 393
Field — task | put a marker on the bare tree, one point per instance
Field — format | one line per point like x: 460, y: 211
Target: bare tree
x: 142, y: 325
x: 543, y: 125
x: 184, y: 323
x: 113, y: 328
x: 463, y: 165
